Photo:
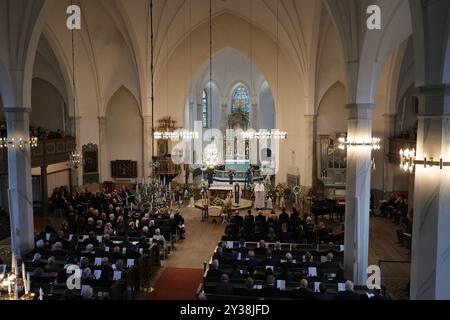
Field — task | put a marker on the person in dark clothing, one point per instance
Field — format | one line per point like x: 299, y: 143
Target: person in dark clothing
x: 303, y: 293
x: 223, y: 287
x: 270, y: 290
x: 323, y: 294
x: 348, y: 294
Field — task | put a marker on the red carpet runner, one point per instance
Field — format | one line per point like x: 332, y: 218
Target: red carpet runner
x: 177, y: 284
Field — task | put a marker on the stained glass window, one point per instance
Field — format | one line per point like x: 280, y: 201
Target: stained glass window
x: 205, y: 109
x: 241, y: 100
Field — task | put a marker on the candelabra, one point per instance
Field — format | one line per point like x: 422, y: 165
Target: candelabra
x: 75, y: 159
x: 17, y: 288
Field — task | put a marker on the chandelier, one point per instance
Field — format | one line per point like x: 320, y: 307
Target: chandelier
x: 373, y: 143
x: 18, y: 143
x: 264, y: 135
x: 211, y: 154
x: 408, y: 161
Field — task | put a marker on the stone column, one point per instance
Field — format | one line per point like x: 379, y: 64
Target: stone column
x: 44, y: 189
x: 356, y: 242
x: 147, y: 152
x: 20, y: 186
x: 310, y: 131
x: 430, y: 268
x: 103, y: 149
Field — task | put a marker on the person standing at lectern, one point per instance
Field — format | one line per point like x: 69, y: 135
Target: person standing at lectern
x: 260, y: 196
x: 237, y: 194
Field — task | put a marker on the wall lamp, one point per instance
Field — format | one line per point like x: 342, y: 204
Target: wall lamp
x: 373, y: 143
x: 408, y: 161
x: 18, y: 143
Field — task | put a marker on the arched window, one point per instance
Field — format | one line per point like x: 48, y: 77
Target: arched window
x: 241, y: 100
x: 205, y: 109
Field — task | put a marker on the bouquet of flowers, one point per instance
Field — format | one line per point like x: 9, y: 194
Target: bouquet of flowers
x: 270, y: 192
x: 279, y: 190
x: 217, y: 202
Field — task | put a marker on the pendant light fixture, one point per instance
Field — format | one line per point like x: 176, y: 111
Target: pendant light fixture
x: 167, y: 133
x: 211, y: 152
x: 75, y: 157
x: 265, y: 134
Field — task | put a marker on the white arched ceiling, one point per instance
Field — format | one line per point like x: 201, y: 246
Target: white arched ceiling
x: 230, y: 68
x: 330, y: 62
x: 46, y: 67
x: 366, y: 51
x: 432, y: 56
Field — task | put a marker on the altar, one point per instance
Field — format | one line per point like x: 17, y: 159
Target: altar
x: 238, y: 165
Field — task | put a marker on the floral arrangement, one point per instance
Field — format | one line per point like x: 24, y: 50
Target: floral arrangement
x: 270, y: 192
x: 217, y: 202
x: 279, y: 190
x: 296, y: 190
x: 231, y: 171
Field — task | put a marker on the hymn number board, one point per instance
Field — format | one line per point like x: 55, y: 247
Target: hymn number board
x: 124, y: 169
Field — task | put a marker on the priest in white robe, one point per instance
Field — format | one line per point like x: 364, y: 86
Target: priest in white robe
x: 260, y: 194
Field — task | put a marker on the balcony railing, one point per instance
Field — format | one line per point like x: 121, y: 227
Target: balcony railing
x: 48, y: 152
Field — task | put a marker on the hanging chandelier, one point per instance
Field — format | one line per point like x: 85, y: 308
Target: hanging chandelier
x: 211, y: 154
x: 18, y: 143
x: 373, y: 143
x: 75, y: 156
x: 167, y: 131
x: 266, y: 134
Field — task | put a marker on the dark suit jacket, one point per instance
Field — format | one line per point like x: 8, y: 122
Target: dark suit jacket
x: 347, y: 295
x: 323, y: 296
x: 329, y: 265
x: 270, y: 292
x: 303, y: 294
x: 224, y: 288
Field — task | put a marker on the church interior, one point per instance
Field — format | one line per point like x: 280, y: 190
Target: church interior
x: 224, y: 150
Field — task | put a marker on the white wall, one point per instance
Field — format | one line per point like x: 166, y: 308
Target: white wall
x: 47, y: 106
x: 123, y: 130
x: 332, y: 115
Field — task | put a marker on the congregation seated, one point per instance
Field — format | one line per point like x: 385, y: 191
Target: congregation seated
x: 284, y: 228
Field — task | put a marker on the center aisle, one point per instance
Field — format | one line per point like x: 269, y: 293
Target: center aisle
x: 201, y: 240
x: 182, y: 271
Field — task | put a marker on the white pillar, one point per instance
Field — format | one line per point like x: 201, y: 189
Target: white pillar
x: 310, y: 125
x: 430, y: 260
x: 147, y: 140
x: 19, y: 175
x: 103, y: 149
x: 356, y: 241
x: 388, y: 172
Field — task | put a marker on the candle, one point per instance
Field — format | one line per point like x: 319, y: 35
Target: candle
x: 9, y: 288
x: 16, y: 292
x: 23, y: 271
x: 28, y: 286
x: 14, y: 264
x: 41, y: 294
